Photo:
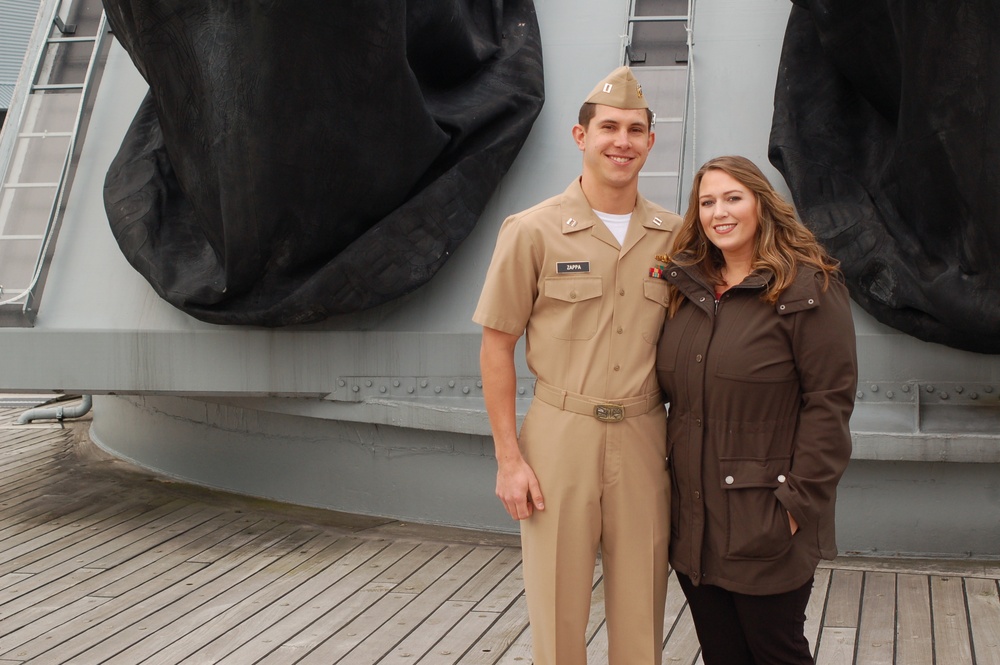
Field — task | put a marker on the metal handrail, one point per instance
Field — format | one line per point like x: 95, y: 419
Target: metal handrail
x: 57, y: 199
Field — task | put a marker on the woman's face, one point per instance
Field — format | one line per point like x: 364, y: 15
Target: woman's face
x: 728, y: 213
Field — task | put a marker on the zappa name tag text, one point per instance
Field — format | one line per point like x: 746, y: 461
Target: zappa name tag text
x: 572, y: 266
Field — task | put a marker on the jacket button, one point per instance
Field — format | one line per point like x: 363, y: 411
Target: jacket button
x: 697, y: 422
x: 697, y: 494
x: 619, y: 330
x: 572, y: 294
x: 730, y: 480
x: 697, y: 358
x: 781, y: 478
x: 781, y: 307
x: 621, y: 292
x: 811, y: 301
x: 702, y: 299
x: 673, y: 273
x: 617, y: 367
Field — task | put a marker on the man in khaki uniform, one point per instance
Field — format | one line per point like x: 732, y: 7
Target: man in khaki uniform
x: 578, y: 275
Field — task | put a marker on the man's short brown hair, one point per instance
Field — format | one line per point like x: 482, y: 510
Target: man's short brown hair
x: 589, y: 110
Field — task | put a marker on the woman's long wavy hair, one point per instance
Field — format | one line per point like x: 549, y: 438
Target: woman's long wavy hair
x: 782, y: 244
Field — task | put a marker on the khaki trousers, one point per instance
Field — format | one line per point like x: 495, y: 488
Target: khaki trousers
x: 605, y: 485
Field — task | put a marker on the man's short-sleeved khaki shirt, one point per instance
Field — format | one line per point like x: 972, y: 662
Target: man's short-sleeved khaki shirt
x: 590, y: 310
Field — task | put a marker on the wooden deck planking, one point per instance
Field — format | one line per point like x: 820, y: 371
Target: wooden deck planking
x: 415, y: 646
x: 843, y: 599
x: 165, y: 625
x: 680, y: 641
x: 502, y: 631
x: 814, y: 610
x: 256, y: 615
x: 447, y: 580
x: 984, y: 619
x: 951, y: 625
x: 914, y: 644
x: 682, y: 647
x: 836, y: 646
x: 110, y: 542
x: 103, y: 563
x: 232, y: 613
x: 145, y: 611
x: 876, y: 641
x: 306, y: 626
x: 59, y: 643
x: 35, y: 508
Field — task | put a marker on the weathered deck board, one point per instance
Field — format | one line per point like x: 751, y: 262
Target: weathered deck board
x: 914, y: 645
x: 877, y: 630
x: 239, y: 607
x: 502, y: 631
x: 144, y: 610
x: 424, y: 603
x: 814, y: 610
x: 836, y: 646
x: 843, y: 599
x: 951, y: 625
x: 103, y: 563
x: 294, y: 634
x: 984, y: 617
x: 255, y: 615
x: 143, y: 639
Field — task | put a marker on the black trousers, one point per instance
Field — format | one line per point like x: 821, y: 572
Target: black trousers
x: 738, y: 629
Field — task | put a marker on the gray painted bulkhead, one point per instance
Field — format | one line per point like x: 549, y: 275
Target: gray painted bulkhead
x: 381, y: 412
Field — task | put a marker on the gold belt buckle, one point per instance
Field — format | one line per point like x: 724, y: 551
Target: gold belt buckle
x: 609, y: 413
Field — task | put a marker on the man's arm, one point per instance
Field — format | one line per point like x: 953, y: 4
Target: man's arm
x: 517, y: 486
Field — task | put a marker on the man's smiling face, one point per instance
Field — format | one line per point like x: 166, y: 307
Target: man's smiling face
x: 615, y: 144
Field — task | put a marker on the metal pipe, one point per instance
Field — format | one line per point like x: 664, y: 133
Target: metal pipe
x: 58, y: 413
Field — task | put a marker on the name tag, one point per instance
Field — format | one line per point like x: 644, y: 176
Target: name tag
x: 572, y: 266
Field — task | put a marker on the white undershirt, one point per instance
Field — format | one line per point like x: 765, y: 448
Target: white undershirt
x: 617, y: 224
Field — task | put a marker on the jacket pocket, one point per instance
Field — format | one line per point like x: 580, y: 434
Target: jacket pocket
x: 654, y: 310
x: 757, y: 524
x: 575, y: 306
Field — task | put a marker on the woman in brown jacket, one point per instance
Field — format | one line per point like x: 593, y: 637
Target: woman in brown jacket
x: 758, y: 363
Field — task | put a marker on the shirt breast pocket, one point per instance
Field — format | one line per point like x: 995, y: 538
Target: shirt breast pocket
x: 654, y: 310
x: 575, y: 306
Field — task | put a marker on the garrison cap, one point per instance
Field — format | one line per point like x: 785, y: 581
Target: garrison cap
x: 619, y: 89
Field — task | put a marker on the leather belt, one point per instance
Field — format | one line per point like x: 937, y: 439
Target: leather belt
x: 611, y: 411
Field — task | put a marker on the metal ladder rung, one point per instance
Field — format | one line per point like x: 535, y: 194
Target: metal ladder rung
x: 69, y: 40
x: 23, y: 237
x: 57, y: 86
x: 657, y: 19
x: 29, y: 185
x: 43, y: 135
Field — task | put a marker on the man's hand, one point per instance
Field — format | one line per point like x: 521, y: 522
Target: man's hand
x: 517, y: 488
